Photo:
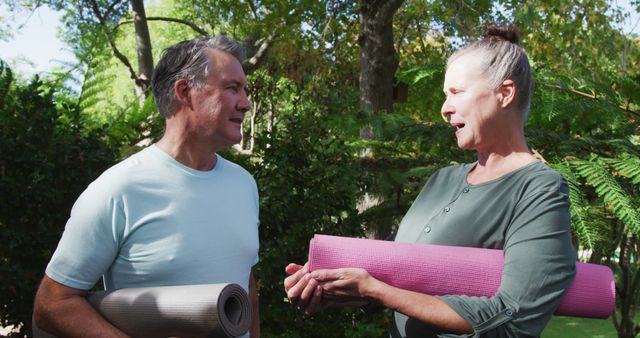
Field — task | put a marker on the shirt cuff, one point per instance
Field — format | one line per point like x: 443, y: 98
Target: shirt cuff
x: 479, y: 317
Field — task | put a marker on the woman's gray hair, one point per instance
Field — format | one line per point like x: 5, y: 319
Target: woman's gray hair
x: 503, y: 59
x: 187, y: 60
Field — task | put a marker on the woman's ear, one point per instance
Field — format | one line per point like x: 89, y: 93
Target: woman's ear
x: 507, y: 93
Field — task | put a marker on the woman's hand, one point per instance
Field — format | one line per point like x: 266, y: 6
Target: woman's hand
x: 318, y: 290
x: 351, y: 284
x: 302, y: 290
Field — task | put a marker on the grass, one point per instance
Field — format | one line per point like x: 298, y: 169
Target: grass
x: 566, y: 327
x: 569, y: 327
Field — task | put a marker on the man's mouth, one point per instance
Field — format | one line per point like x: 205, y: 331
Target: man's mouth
x: 236, y: 120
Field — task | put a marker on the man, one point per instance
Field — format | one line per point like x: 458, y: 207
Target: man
x: 176, y: 213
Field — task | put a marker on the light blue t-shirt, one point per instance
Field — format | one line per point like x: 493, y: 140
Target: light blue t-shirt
x: 151, y: 221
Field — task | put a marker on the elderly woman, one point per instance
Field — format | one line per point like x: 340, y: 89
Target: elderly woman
x: 506, y: 200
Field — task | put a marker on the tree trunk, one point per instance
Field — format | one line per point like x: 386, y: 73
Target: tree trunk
x: 378, y: 64
x: 627, y: 287
x: 378, y: 58
x: 143, y: 48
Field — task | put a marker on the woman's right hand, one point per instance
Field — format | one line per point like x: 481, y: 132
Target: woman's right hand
x: 302, y: 290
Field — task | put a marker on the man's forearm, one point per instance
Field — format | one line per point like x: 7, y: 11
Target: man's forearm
x: 65, y: 312
x: 76, y: 318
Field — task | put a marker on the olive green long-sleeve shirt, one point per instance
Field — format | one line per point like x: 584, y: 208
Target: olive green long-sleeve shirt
x: 526, y: 214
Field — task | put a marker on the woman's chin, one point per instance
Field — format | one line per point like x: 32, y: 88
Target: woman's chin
x: 465, y: 145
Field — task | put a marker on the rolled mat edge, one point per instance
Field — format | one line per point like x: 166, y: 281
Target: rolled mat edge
x: 450, y: 270
x: 204, y: 310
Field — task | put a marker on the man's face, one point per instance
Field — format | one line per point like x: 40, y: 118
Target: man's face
x: 220, y: 104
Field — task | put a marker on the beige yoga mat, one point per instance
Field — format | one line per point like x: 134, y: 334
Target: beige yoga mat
x: 207, y: 310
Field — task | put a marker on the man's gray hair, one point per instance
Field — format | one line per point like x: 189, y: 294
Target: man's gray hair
x: 503, y: 59
x: 187, y: 60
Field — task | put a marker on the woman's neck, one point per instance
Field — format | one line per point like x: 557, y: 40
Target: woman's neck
x: 495, y: 165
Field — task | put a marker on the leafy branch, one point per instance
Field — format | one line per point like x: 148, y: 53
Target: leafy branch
x: 161, y: 18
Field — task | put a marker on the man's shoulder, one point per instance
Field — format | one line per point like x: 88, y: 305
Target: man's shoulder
x: 230, y: 167
x: 122, y: 173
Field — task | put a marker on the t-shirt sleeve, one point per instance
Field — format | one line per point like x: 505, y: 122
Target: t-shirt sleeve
x: 90, y: 240
x: 256, y: 198
x: 539, y: 266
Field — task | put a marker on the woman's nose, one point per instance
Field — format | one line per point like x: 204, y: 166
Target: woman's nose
x: 446, y: 111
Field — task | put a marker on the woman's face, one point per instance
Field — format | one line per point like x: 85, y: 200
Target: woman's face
x: 471, y: 105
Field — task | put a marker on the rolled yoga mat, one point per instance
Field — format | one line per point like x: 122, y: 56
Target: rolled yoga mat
x: 207, y: 310
x: 450, y: 270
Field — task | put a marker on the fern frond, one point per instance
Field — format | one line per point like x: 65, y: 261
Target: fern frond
x: 606, y: 187
x: 624, y: 146
x: 589, y: 230
x: 97, y: 78
x: 422, y: 73
x: 628, y: 167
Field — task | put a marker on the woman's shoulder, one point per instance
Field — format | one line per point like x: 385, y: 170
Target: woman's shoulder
x: 540, y: 177
x: 455, y: 170
x: 541, y: 171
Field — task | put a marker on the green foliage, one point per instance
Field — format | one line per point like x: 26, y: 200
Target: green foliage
x: 576, y: 37
x: 588, y: 224
x: 627, y: 167
x: 94, y: 102
x: 562, y: 327
x: 298, y: 199
x: 616, y: 199
x: 47, y: 157
x: 302, y: 139
x: 125, y: 120
x: 588, y: 130
x: 570, y: 105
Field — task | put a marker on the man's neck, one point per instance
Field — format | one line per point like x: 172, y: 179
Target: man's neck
x: 189, y: 153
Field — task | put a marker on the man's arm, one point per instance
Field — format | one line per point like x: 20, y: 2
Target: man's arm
x: 255, y: 308
x: 65, y: 312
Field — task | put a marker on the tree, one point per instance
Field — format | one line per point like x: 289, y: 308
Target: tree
x: 85, y: 20
x: 378, y: 58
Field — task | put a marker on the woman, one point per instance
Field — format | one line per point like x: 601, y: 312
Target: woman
x: 506, y: 200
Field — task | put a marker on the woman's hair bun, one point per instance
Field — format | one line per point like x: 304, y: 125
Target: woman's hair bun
x: 509, y: 33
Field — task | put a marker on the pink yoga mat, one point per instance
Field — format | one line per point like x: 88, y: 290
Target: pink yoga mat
x: 449, y: 270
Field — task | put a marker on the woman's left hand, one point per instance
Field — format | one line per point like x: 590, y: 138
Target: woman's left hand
x: 346, y: 284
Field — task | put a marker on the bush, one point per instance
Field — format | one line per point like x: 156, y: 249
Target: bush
x: 47, y: 157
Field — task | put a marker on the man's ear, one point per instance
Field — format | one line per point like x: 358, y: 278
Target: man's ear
x: 182, y: 92
x: 507, y: 93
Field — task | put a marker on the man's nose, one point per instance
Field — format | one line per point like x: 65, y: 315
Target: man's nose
x: 244, y: 104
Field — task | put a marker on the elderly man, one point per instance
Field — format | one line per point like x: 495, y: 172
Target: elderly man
x: 175, y: 213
